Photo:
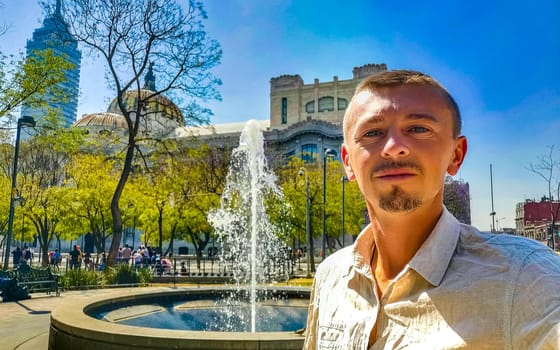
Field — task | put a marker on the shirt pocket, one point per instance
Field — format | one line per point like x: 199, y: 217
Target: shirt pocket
x: 332, y: 337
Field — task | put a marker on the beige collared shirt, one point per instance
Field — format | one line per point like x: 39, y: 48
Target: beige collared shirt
x: 462, y: 290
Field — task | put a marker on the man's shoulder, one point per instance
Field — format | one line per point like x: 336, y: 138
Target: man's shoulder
x: 337, y: 263
x: 515, y: 248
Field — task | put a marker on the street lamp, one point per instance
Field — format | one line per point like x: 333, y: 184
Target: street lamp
x: 19, y: 200
x: 344, y: 179
x: 328, y: 152
x: 303, y: 172
x: 23, y: 121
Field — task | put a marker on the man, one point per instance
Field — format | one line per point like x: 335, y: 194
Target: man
x: 75, y: 258
x: 56, y: 258
x: 416, y: 278
x: 126, y: 254
x: 17, y: 255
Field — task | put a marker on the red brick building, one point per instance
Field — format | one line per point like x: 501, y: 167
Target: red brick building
x: 532, y: 218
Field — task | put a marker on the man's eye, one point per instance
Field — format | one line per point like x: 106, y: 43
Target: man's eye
x: 419, y: 129
x: 373, y: 133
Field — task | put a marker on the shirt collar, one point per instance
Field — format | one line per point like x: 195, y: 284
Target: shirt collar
x: 432, y: 259
x: 362, y: 252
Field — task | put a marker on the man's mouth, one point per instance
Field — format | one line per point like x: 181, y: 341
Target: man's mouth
x: 395, y: 174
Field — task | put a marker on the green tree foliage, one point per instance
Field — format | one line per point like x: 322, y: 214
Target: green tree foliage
x: 132, y: 35
x: 42, y: 179
x: 292, y: 178
x: 34, y: 80
x: 92, y: 178
x: 201, y: 175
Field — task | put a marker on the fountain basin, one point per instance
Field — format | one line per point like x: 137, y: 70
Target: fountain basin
x: 72, y: 327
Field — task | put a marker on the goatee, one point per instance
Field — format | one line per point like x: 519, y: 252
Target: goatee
x: 398, y: 201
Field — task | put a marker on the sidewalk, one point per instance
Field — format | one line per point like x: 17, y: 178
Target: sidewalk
x: 24, y: 324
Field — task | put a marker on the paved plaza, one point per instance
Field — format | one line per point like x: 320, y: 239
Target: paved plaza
x: 24, y: 324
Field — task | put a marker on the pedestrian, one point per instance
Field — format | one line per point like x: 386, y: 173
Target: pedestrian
x: 415, y: 278
x: 126, y: 254
x: 23, y: 253
x: 75, y: 258
x: 16, y: 256
x: 56, y: 259
x: 102, y: 262
x: 87, y: 260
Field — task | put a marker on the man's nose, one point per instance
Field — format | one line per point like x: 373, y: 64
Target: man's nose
x: 395, y: 146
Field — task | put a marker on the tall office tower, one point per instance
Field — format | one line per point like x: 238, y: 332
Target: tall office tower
x: 53, y: 36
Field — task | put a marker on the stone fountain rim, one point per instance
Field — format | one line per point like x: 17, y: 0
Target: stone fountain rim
x: 71, y: 317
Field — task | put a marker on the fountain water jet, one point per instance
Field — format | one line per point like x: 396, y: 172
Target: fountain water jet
x: 249, y: 182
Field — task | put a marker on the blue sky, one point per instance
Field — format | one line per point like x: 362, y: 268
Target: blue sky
x: 499, y: 59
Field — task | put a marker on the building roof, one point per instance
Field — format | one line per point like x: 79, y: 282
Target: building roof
x: 215, y: 129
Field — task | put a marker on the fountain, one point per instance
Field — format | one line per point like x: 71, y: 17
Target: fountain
x: 242, y: 222
x: 248, y: 242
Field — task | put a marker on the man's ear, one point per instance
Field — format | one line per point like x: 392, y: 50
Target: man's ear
x: 458, y: 156
x: 346, y: 161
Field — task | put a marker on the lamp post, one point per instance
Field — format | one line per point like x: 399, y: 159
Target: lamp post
x: 303, y: 172
x: 23, y: 121
x: 493, y: 212
x: 21, y: 201
x: 344, y: 179
x: 328, y: 152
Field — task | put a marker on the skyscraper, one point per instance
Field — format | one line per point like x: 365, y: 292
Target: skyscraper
x: 53, y: 36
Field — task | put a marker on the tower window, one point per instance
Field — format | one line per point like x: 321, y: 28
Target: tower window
x: 284, y: 110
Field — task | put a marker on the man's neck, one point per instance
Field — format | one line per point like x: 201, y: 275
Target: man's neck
x: 398, y: 237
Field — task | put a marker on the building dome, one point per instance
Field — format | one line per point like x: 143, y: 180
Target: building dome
x: 159, y: 107
x: 160, y: 115
x: 106, y: 120
x: 102, y: 123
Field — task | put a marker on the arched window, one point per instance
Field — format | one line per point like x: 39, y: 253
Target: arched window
x: 326, y: 104
x: 310, y: 107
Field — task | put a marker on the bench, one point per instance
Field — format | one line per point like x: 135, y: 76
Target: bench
x: 37, y: 279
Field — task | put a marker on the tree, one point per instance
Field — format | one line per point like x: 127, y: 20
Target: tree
x: 548, y: 169
x: 44, y: 159
x: 131, y: 37
x: 456, y: 199
x: 92, y: 178
x: 34, y: 80
x: 201, y: 176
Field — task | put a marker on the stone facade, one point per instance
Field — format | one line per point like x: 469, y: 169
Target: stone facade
x: 306, y: 119
x: 292, y: 101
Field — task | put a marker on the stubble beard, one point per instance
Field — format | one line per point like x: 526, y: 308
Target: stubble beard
x: 398, y: 201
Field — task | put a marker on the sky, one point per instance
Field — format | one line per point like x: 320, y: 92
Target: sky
x: 499, y: 59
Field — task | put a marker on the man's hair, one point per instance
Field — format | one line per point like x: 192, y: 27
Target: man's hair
x: 394, y: 78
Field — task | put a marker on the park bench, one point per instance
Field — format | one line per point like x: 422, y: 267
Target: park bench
x: 37, y: 279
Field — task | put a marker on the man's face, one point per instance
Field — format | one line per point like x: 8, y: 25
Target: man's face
x: 399, y: 145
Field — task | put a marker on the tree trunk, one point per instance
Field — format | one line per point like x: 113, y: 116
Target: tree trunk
x: 115, y: 211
